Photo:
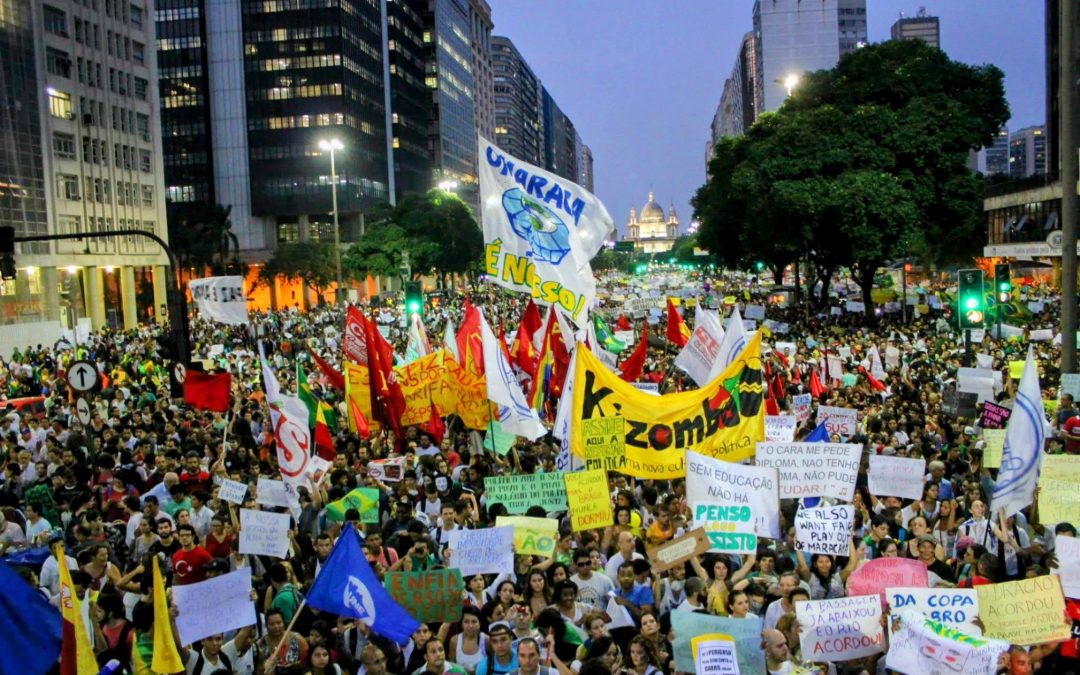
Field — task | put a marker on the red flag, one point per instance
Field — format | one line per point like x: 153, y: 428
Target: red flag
x: 470, y: 344
x: 208, y: 392
x: 816, y: 388
x: 362, y: 426
x: 387, y: 399
x: 631, y: 369
x: 877, y: 384
x: 552, y: 367
x: 523, y: 353
x: 336, y: 379
x: 770, y: 406
x: 677, y: 330
x: 354, y: 339
x: 623, y: 323
x: 435, y: 426
x: 324, y: 440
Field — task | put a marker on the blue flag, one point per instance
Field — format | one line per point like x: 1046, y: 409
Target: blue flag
x: 30, y: 641
x: 818, y: 435
x: 346, y: 586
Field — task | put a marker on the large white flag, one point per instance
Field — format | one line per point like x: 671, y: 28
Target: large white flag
x: 1025, y: 436
x: 731, y: 346
x: 270, y: 381
x: 703, y: 348
x: 876, y: 368
x: 449, y: 339
x: 221, y: 299
x: 512, y: 410
x: 540, y: 231
x: 565, y: 415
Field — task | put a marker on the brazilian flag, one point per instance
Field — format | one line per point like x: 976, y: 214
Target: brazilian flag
x: 606, y: 337
x: 364, y: 500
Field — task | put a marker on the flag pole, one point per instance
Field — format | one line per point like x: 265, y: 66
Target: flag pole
x: 273, y: 656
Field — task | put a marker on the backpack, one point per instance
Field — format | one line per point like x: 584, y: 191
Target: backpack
x: 201, y: 661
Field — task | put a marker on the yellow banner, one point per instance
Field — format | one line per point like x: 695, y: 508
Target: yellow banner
x: 724, y: 419
x: 532, y: 536
x: 358, y: 391
x: 1059, y: 501
x: 589, y: 500
x: 1024, y: 612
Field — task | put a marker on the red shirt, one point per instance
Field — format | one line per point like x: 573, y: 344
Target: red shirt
x: 219, y: 549
x: 188, y: 565
x: 1072, y: 426
x: 1071, y: 647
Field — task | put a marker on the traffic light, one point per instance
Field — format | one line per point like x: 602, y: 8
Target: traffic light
x: 7, y: 252
x: 414, y: 299
x: 972, y: 307
x: 1003, y: 281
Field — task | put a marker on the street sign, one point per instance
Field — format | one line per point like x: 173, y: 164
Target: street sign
x: 82, y: 410
x: 82, y: 376
x: 180, y: 372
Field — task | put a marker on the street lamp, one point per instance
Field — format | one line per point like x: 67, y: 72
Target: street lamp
x: 790, y: 82
x: 448, y: 185
x: 331, y: 145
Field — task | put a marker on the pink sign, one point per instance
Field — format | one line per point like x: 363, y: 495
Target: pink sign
x: 881, y: 573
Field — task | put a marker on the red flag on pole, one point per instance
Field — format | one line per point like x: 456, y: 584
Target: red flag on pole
x: 623, y: 323
x: 362, y: 426
x: 208, y: 392
x: 634, y: 365
x: 334, y: 376
x: 354, y: 339
x: 435, y: 426
x: 677, y: 330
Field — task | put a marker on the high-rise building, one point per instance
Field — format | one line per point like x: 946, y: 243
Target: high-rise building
x: 82, y: 154
x: 922, y: 26
x: 410, y: 97
x: 519, y: 120
x: 740, y: 100
x: 996, y: 155
x: 481, y: 25
x: 560, y: 141
x: 584, y: 164
x: 450, y: 78
x: 796, y: 36
x: 1027, y: 152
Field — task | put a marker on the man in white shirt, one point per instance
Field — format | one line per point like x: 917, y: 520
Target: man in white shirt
x: 593, y: 587
x: 50, y: 570
x: 626, y: 553
x: 200, y: 514
x: 789, y: 581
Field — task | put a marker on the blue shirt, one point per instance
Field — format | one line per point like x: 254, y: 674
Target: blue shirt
x: 640, y: 595
x: 490, y: 666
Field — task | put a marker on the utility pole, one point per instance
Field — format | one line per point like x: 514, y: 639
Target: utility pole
x: 1068, y: 105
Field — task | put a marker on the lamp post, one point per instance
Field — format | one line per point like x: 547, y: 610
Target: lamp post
x: 332, y: 145
x: 448, y: 185
x: 790, y: 82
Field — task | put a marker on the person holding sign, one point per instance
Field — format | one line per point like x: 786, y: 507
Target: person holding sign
x: 826, y: 581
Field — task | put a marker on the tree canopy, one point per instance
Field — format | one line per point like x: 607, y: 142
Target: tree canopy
x: 311, y: 262
x: 201, y: 235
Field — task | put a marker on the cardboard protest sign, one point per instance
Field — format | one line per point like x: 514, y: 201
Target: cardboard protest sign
x: 679, y: 550
x: 214, y: 606
x: 1059, y: 501
x: 711, y: 480
x: 481, y: 551
x: 264, y: 533
x: 1024, y: 612
x: 269, y: 492
x: 714, y: 654
x: 994, y: 416
x: 825, y: 530
x: 1061, y: 467
x: 993, y: 446
x: 840, y: 629
x: 954, y: 607
x: 880, y: 574
x: 730, y: 528
x: 926, y: 647
x: 896, y: 476
x: 588, y: 499
x: 841, y: 421
x: 780, y: 428
x: 746, y: 634
x: 800, y: 405
x: 605, y: 443
x: 433, y: 596
x: 232, y: 491
x: 517, y: 492
x: 532, y: 536
x: 813, y: 469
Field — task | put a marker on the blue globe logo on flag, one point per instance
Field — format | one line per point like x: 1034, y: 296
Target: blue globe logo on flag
x: 535, y: 223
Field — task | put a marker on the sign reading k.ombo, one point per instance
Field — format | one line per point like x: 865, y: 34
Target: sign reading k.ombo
x: 540, y: 231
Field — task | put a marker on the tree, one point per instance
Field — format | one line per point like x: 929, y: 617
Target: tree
x: 311, y: 262
x: 201, y: 235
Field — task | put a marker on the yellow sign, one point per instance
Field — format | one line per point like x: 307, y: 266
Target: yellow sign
x: 532, y: 536
x: 724, y: 419
x: 1024, y: 612
x: 995, y: 443
x: 605, y: 445
x: 1059, y: 501
x: 1016, y: 369
x: 358, y: 391
x: 1061, y: 467
x: 589, y: 499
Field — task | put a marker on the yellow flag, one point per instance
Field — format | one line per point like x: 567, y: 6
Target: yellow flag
x: 76, y: 654
x: 166, y: 657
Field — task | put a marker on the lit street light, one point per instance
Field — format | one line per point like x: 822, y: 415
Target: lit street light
x: 790, y: 82
x: 332, y: 145
x: 448, y: 185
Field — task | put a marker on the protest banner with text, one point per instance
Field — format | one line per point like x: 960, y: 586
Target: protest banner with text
x: 840, y: 421
x: 481, y: 551
x: 825, y: 530
x: 813, y: 469
x: 264, y: 533
x: 214, y: 606
x: 840, y: 629
x: 745, y: 632
x: 1024, y: 612
x: 433, y: 596
x: 920, y: 645
x: 588, y: 499
x: 605, y: 443
x: 780, y: 428
x: 730, y: 528
x: 711, y: 480
x: 955, y: 607
x: 517, y: 492
x: 679, y: 550
x: 532, y: 536
x: 880, y: 574
x: 896, y: 476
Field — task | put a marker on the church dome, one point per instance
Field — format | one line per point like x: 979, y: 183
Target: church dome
x: 652, y: 209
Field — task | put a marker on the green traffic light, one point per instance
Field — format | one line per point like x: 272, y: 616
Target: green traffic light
x: 971, y: 303
x: 414, y: 307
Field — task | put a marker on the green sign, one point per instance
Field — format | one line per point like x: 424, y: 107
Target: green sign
x: 430, y: 597
x: 520, y: 491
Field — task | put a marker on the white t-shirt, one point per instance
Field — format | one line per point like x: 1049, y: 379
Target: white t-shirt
x: 241, y: 665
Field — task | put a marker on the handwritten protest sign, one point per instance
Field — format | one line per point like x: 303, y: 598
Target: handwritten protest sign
x: 955, y: 607
x: 517, y: 492
x: 841, y: 421
x: 840, y: 628
x: 1061, y: 467
x: 995, y: 416
x: 679, y: 550
x: 1059, y: 501
x: 605, y: 442
x: 813, y: 469
x: 1068, y: 570
x: 746, y: 634
x: 433, y: 596
x: 712, y: 480
x: 780, y: 428
x: 232, y: 491
x: 896, y: 476
x: 880, y: 574
x: 1016, y: 369
x: 993, y: 446
x: 481, y: 551
x: 497, y: 440
x: 1024, y: 612
x: 824, y: 530
x: 264, y: 533
x: 800, y: 405
x: 214, y: 606
x: 714, y: 654
x: 269, y: 492
x: 588, y: 499
x: 532, y: 536
x: 730, y: 528
x: 921, y: 645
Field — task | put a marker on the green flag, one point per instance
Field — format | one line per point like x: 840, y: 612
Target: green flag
x: 303, y: 391
x: 606, y: 337
x: 364, y: 500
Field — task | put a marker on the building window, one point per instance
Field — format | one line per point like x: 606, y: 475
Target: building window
x: 148, y: 195
x: 57, y: 62
x: 64, y: 146
x: 69, y: 224
x: 60, y: 104
x: 135, y: 14
x: 138, y: 52
x: 140, y: 88
x: 288, y: 232
x: 55, y: 21
x: 142, y: 124
x: 67, y: 186
x: 144, y: 161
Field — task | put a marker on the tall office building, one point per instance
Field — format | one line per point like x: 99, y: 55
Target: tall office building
x: 82, y: 154
x: 410, y: 97
x: 922, y: 26
x: 450, y: 78
x: 519, y: 101
x: 1027, y: 152
x: 480, y: 31
x: 560, y: 141
x: 584, y: 164
x: 996, y: 155
x: 796, y: 36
